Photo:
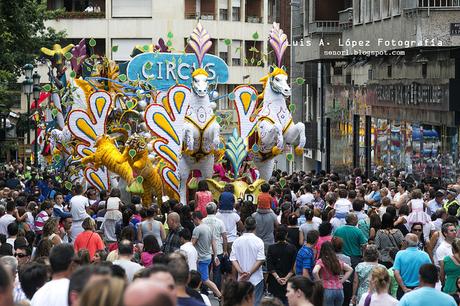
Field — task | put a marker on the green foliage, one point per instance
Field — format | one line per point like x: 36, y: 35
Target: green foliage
x: 23, y: 33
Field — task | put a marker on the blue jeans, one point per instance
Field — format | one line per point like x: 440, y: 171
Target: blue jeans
x: 333, y: 297
x: 258, y: 293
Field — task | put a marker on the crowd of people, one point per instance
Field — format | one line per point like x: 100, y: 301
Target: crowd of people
x: 306, y: 239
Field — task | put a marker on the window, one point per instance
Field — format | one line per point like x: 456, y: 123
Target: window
x: 126, y: 46
x: 396, y: 7
x: 236, y: 52
x: 424, y: 70
x: 223, y: 51
x: 389, y: 72
x: 236, y: 10
x: 368, y: 11
x: 223, y: 9
x: 337, y: 70
x: 370, y: 74
x: 348, y: 78
x: 223, y: 103
x: 386, y: 8
x: 359, y: 11
x: 377, y: 10
x: 131, y: 8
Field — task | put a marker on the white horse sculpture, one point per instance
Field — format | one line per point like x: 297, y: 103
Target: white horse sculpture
x: 200, y: 121
x: 275, y: 126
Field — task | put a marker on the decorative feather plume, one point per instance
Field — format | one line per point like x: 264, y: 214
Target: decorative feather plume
x: 200, y: 42
x: 279, y: 42
x: 78, y: 56
x: 236, y: 151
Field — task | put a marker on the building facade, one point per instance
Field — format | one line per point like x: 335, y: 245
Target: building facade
x: 384, y: 84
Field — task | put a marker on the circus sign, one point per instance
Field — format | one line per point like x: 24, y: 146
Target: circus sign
x: 167, y: 69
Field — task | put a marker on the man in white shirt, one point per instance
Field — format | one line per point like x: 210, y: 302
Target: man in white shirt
x: 449, y: 232
x: 8, y: 218
x: 247, y: 257
x: 188, y: 249
x: 342, y: 206
x: 55, y: 292
x: 125, y: 254
x: 220, y: 236
x: 78, y: 204
x: 307, y: 196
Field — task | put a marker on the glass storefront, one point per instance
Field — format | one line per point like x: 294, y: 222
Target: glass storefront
x: 420, y: 150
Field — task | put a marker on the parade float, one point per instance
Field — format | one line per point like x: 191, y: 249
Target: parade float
x: 148, y: 126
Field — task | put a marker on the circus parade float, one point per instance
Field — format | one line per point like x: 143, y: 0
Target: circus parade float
x: 149, y: 127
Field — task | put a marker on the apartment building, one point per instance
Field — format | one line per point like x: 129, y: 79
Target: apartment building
x: 382, y: 84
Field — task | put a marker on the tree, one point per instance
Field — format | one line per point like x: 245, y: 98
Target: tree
x: 23, y: 32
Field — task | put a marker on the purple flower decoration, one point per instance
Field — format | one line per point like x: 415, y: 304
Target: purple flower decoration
x: 200, y: 42
x: 78, y: 56
x: 279, y: 42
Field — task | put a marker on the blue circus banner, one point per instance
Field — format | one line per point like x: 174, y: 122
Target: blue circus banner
x: 167, y: 69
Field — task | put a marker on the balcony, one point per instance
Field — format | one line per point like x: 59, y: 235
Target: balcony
x: 254, y: 19
x: 431, y: 4
x: 324, y: 26
x: 77, y: 9
x: 346, y: 18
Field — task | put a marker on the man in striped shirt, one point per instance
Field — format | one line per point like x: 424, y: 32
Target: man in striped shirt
x: 46, y: 209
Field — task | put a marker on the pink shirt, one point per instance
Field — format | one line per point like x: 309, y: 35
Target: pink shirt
x: 202, y: 199
x: 321, y: 240
x: 330, y: 281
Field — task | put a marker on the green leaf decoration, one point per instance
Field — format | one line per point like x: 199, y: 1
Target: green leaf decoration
x: 135, y: 187
x: 169, y: 43
x: 259, y: 63
x: 282, y: 182
x: 92, y: 42
x: 170, y: 35
x: 46, y: 87
x: 292, y: 107
x: 72, y: 74
x: 54, y: 112
x: 289, y: 156
x: 219, y: 119
x: 145, y: 47
x: 300, y: 81
x: 140, y: 179
x: 255, y: 35
x: 114, y: 48
x: 68, y: 185
x: 130, y: 104
x: 236, y: 151
x: 148, y: 65
x: 254, y: 49
x: 122, y: 77
x: 252, y: 60
x: 227, y: 41
x: 68, y: 56
x: 132, y: 153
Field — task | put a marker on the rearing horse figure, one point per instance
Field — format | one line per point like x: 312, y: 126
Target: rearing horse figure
x: 274, y: 121
x: 200, y: 118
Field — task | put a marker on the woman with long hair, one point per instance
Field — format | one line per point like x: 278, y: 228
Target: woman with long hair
x: 51, y: 231
x: 386, y: 239
x: 104, y: 292
x: 302, y: 291
x: 379, y: 285
x: 150, y: 251
x: 328, y: 269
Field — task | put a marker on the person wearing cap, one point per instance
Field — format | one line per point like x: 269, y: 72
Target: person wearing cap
x: 436, y: 203
x: 451, y: 202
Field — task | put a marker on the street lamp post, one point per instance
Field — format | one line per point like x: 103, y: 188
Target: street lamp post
x: 36, y: 93
x: 27, y: 87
